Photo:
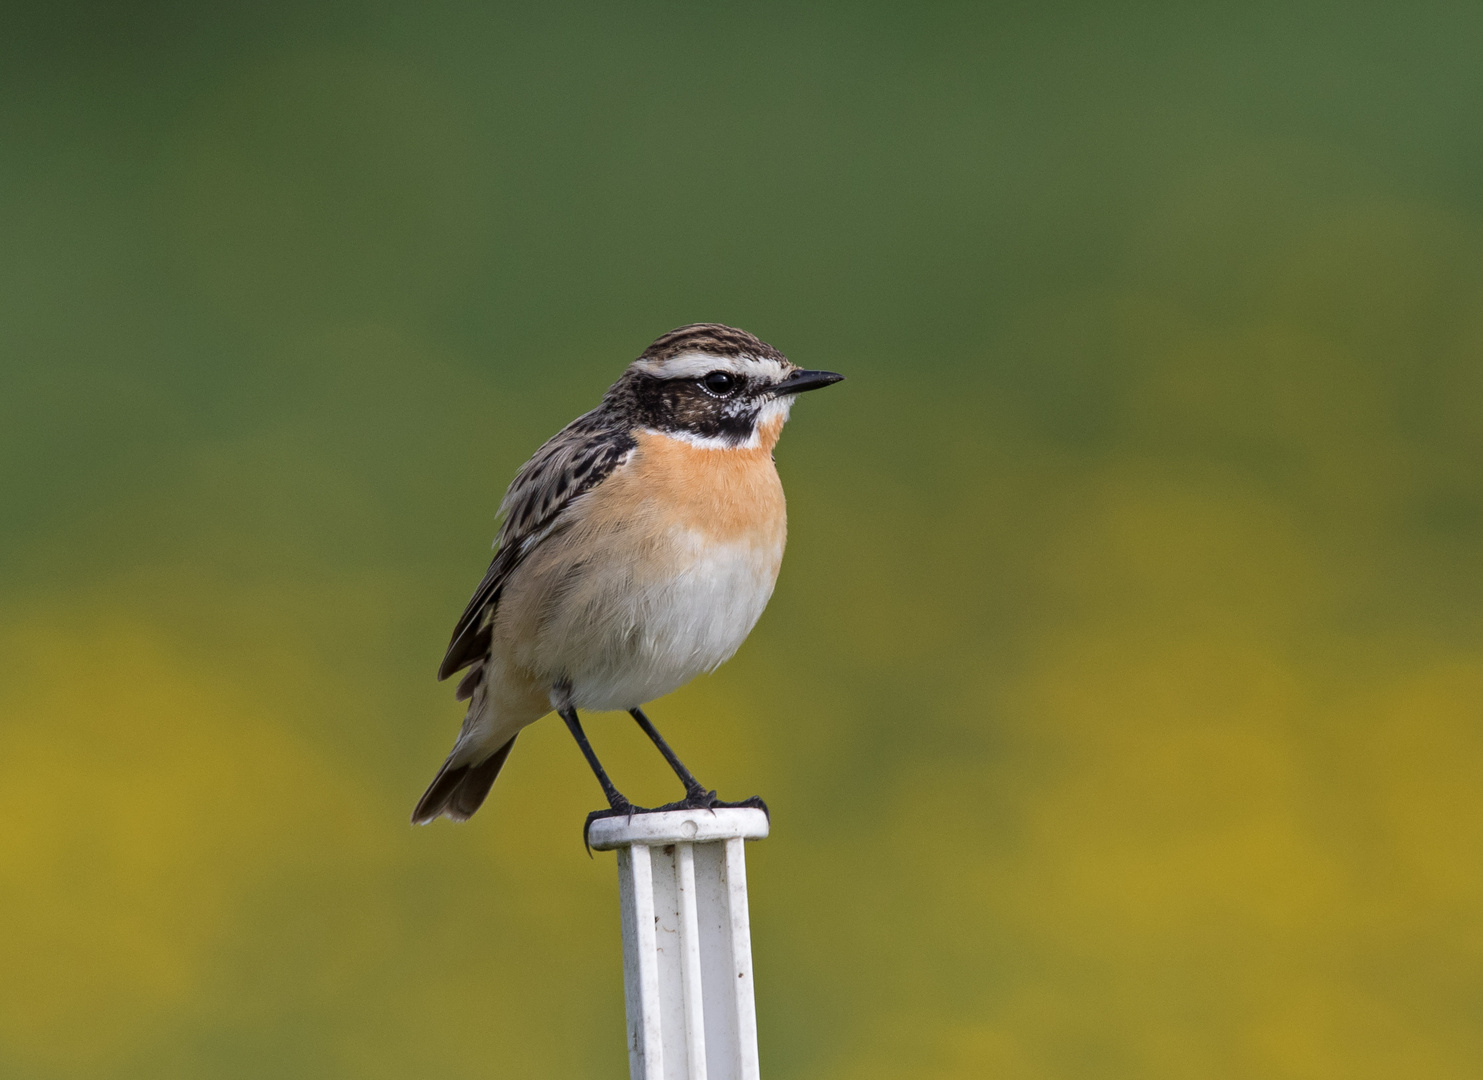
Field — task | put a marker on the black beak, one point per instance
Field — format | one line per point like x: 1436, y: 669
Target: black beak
x: 800, y: 381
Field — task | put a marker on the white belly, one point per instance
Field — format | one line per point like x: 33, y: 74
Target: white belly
x: 651, y: 637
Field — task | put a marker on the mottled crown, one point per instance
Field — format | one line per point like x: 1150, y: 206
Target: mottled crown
x: 712, y: 339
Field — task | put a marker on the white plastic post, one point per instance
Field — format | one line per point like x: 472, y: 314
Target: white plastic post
x: 687, y: 941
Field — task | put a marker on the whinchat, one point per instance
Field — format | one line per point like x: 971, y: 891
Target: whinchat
x: 636, y: 550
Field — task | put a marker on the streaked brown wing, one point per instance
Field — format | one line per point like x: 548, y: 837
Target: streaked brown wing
x: 570, y: 464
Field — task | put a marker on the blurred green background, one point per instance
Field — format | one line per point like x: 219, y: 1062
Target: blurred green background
x: 1121, y: 703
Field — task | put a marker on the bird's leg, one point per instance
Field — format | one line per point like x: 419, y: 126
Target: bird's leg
x: 695, y: 792
x: 616, y: 801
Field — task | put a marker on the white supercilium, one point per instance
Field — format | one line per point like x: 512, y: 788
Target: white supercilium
x: 692, y: 365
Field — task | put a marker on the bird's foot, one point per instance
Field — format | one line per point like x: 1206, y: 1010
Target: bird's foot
x: 700, y: 799
x: 619, y: 807
x: 754, y: 803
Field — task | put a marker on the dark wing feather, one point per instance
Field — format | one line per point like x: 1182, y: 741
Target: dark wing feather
x: 471, y: 636
x: 570, y: 464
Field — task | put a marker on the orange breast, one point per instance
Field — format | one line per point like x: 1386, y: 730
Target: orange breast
x: 731, y: 495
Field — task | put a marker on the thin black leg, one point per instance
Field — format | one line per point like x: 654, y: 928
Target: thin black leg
x: 615, y: 797
x: 695, y: 792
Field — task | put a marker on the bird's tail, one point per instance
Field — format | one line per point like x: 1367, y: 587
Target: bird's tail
x: 458, y: 790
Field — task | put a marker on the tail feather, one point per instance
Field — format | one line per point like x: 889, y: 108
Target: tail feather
x: 458, y: 791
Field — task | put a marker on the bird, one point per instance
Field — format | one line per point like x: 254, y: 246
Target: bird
x: 635, y: 550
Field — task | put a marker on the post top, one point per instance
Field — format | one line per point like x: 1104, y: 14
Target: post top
x: 678, y: 827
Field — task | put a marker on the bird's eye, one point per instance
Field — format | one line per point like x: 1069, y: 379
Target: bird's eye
x: 720, y: 383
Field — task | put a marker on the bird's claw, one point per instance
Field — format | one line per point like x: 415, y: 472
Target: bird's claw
x: 707, y: 800
x: 621, y: 807
x: 754, y: 803
x: 699, y: 799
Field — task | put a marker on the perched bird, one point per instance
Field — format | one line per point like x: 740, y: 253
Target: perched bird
x: 637, y: 550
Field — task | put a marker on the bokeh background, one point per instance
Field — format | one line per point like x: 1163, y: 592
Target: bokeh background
x: 1121, y: 702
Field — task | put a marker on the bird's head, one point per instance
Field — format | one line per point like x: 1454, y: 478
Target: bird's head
x: 714, y: 386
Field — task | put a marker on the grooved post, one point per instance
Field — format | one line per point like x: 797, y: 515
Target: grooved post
x: 687, y: 941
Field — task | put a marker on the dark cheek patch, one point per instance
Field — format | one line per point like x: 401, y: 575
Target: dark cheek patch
x: 682, y: 407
